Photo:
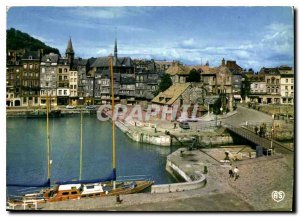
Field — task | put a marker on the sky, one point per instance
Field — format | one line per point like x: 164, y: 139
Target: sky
x: 253, y: 36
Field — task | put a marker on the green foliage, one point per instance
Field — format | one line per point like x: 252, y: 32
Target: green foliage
x: 165, y: 83
x: 16, y: 40
x: 194, y: 76
x: 245, y: 90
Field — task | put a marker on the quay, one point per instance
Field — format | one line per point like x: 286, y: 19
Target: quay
x: 251, y: 191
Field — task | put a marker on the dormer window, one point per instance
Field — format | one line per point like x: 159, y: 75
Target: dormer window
x: 30, y: 57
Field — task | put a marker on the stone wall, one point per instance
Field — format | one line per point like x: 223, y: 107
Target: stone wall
x: 181, y: 186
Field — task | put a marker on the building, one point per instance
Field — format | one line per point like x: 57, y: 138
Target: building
x: 63, y: 82
x: 73, y: 87
x: 286, y: 84
x: 163, y: 65
x: 258, y: 89
x: 178, y: 72
x: 14, y: 77
x: 272, y: 78
x: 30, y: 78
x: 147, y: 79
x: 124, y: 79
x: 48, y: 79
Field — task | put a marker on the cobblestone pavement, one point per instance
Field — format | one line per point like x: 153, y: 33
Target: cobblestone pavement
x: 245, y: 114
x: 251, y: 191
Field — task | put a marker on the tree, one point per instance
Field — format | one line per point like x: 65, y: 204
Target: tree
x: 246, y: 87
x: 194, y: 76
x: 165, y: 83
x: 15, y: 40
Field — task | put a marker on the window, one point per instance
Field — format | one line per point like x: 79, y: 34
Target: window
x: 65, y: 77
x: 65, y: 92
x: 60, y: 70
x: 286, y: 87
x: 25, y: 66
x: 74, y: 192
x: 71, y: 86
x: 47, y: 84
x: 286, y: 80
x: 65, y: 193
x: 75, y: 86
x: 24, y: 100
x: 30, y: 66
x: 65, y: 70
x: 59, y: 92
x: 268, y: 81
x: 277, y: 81
x: 286, y: 93
x: 292, y: 80
x: 255, y: 85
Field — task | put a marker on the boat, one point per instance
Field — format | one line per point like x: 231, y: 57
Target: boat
x: 71, y: 190
x: 39, y: 113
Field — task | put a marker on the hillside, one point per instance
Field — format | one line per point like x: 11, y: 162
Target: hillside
x: 16, y: 40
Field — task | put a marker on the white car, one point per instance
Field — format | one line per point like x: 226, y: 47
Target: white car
x: 70, y: 107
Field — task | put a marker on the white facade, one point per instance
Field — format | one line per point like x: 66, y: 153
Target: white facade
x: 258, y: 87
x: 73, y: 83
x: 287, y: 90
x: 62, y: 91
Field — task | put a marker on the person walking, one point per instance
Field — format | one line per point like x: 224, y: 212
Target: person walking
x: 230, y: 171
x: 236, y: 173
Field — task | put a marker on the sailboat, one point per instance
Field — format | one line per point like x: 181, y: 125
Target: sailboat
x: 70, y: 190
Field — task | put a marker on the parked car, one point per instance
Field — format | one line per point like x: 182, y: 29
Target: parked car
x: 70, y: 107
x: 90, y: 107
x: 184, y: 125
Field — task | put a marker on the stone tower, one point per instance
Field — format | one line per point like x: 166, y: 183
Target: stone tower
x: 223, y: 62
x: 70, y: 52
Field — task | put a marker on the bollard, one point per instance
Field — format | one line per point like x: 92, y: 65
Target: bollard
x: 205, y: 170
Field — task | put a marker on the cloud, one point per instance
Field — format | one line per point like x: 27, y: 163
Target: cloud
x: 109, y: 12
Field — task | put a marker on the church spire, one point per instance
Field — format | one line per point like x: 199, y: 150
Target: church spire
x: 70, y: 53
x: 116, y: 49
x: 69, y: 49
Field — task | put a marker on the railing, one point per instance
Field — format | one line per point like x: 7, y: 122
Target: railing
x: 134, y: 178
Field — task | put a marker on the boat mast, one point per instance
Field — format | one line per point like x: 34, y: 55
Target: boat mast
x: 48, y: 136
x: 113, y: 121
x: 80, y: 173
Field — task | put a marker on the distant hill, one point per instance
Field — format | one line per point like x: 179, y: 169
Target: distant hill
x: 16, y: 40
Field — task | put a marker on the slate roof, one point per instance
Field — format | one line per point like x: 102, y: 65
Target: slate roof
x: 52, y: 58
x: 105, y: 62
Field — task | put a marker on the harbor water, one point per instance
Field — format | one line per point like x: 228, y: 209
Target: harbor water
x: 26, y: 157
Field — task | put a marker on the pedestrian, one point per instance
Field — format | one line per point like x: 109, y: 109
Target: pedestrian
x: 230, y: 171
x: 236, y: 173
x: 175, y: 125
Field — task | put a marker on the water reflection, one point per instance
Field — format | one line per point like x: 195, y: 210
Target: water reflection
x: 27, y: 149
